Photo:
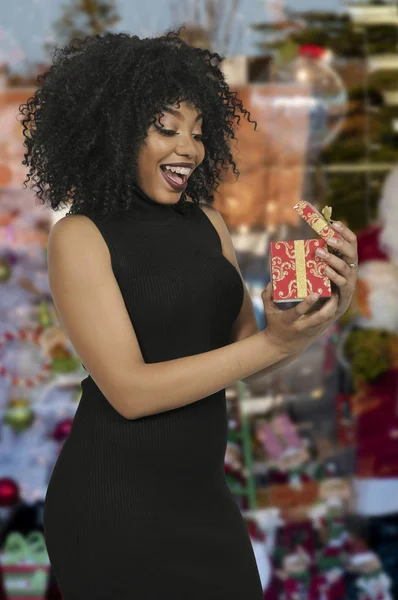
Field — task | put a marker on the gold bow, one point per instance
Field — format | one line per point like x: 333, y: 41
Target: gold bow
x: 327, y: 213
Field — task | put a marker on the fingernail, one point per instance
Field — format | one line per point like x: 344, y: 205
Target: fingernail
x: 314, y: 296
x: 321, y: 252
x: 332, y: 241
x: 337, y: 225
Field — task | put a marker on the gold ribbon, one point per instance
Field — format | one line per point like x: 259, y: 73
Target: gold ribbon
x: 301, y: 271
x: 319, y: 224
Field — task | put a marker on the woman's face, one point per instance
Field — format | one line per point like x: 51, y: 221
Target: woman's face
x: 177, y: 139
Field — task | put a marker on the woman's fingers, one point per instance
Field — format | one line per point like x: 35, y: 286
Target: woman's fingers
x: 338, y: 265
x: 303, y: 307
x: 339, y: 280
x: 267, y: 297
x: 347, y: 250
x: 321, y: 316
x: 294, y: 313
x: 347, y: 244
x: 346, y: 233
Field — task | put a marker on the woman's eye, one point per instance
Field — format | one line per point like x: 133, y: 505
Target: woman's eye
x: 170, y: 132
x: 166, y: 131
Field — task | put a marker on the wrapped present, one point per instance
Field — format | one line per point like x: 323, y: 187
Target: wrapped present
x: 297, y: 270
x: 25, y: 565
x: 321, y: 223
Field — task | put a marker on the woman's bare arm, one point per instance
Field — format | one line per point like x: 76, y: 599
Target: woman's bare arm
x: 93, y: 312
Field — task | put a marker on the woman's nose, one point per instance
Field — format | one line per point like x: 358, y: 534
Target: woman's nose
x: 187, y: 147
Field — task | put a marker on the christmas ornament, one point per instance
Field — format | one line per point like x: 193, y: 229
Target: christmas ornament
x: 19, y: 415
x: 5, y: 270
x: 62, y: 430
x: 9, y: 492
x: 55, y: 345
x: 319, y: 89
x: 44, y: 315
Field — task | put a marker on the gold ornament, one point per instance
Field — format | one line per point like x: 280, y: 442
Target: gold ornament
x: 16, y: 402
x: 44, y: 315
x: 19, y: 414
x: 5, y: 270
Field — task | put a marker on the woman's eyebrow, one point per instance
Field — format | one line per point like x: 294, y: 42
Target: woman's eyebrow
x: 177, y: 113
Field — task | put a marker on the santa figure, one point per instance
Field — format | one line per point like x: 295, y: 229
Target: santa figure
x: 330, y: 576
x: 372, y: 582
x: 289, y: 458
x: 375, y: 401
x: 296, y: 577
x: 335, y: 531
x: 334, y: 491
x: 294, y: 464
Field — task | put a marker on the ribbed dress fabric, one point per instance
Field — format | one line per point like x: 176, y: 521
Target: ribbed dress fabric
x: 139, y: 509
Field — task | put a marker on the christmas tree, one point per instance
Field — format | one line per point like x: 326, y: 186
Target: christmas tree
x: 85, y: 17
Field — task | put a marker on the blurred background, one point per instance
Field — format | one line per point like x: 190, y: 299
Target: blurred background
x: 312, y: 458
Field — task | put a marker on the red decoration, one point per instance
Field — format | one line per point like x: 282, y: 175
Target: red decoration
x: 369, y: 244
x: 3, y: 593
x: 297, y: 270
x: 9, y: 492
x: 53, y: 592
x: 312, y: 51
x: 62, y: 430
x: 377, y: 427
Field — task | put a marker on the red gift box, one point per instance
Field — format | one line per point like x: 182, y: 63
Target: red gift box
x: 297, y: 270
x: 315, y: 220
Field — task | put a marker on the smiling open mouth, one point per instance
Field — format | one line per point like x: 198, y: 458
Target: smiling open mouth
x: 176, y: 181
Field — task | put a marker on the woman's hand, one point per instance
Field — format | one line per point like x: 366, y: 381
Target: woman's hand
x: 338, y: 269
x: 294, y: 330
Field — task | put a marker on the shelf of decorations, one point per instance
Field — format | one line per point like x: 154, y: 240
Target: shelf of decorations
x: 238, y: 462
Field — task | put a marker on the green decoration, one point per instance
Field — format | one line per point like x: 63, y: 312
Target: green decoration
x: 5, y: 270
x: 370, y: 352
x: 19, y: 416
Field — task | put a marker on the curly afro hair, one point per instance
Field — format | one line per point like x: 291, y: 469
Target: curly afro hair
x: 84, y: 125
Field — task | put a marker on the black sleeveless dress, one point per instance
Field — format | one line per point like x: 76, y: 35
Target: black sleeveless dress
x: 140, y: 509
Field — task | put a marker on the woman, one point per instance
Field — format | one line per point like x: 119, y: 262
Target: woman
x: 146, y: 283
